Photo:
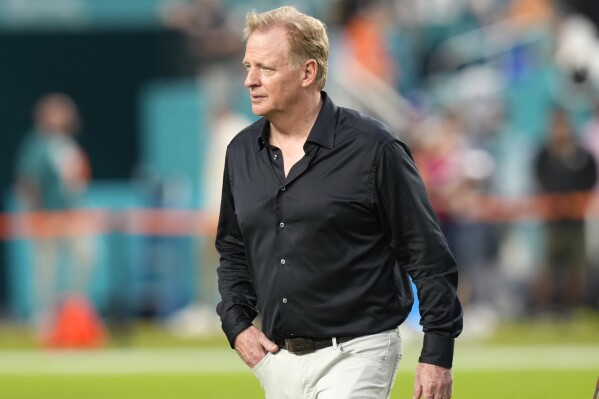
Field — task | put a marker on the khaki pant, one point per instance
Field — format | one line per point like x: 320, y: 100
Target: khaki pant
x: 364, y: 368
x: 47, y: 290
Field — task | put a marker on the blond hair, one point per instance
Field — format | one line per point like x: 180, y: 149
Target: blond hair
x: 307, y: 36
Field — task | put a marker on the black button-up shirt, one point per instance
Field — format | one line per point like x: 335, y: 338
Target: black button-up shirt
x: 327, y: 250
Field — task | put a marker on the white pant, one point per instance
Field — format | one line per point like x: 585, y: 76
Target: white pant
x: 364, y: 368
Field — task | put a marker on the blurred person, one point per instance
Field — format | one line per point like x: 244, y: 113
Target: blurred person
x: 225, y: 125
x: 198, y: 318
x: 212, y: 36
x: 214, y: 47
x: 518, y: 239
x: 213, y: 43
x: 455, y: 173
x: 438, y: 146
x: 52, y: 174
x: 366, y: 39
x: 366, y: 71
x: 323, y: 219
x: 563, y: 167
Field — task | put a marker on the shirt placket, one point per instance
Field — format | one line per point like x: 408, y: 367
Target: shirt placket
x: 280, y: 262
x: 284, y: 258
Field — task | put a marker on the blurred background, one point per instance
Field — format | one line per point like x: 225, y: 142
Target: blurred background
x: 115, y: 115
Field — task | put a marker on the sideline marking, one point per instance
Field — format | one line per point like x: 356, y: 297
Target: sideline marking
x: 224, y: 360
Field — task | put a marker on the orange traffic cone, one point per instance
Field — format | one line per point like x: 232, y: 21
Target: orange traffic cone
x: 77, y: 325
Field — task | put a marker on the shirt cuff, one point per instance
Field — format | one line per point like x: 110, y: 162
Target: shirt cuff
x: 232, y: 329
x: 437, y: 350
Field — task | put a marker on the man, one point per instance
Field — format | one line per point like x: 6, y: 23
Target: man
x: 323, y: 217
x: 52, y: 174
x: 563, y: 168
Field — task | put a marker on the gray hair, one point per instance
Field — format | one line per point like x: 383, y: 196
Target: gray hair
x: 307, y: 36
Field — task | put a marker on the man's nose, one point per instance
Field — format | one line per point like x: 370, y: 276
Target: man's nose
x: 252, y: 78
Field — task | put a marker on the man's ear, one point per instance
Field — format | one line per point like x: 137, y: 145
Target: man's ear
x: 309, y: 71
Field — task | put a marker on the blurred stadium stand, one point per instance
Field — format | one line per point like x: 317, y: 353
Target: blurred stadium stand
x: 105, y: 54
x: 142, y: 107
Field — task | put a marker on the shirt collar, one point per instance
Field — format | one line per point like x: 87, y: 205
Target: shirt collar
x: 323, y: 131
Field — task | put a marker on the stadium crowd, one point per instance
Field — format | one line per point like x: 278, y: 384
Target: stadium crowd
x: 478, y: 90
x: 490, y: 95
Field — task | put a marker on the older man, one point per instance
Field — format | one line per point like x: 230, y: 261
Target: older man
x: 323, y: 218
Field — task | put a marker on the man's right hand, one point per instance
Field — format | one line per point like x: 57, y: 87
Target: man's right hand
x: 252, y: 345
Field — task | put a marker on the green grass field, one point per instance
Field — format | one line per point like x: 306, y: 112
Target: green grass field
x: 520, y: 361
x: 481, y: 371
x: 468, y: 385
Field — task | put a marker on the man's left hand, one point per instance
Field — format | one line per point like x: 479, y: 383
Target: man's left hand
x: 432, y: 382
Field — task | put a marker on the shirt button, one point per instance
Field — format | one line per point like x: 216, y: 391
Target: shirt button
x: 282, y: 261
x: 281, y: 224
x: 284, y: 300
x: 283, y: 188
x: 275, y: 157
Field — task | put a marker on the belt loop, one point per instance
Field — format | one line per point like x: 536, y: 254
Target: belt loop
x: 334, y: 342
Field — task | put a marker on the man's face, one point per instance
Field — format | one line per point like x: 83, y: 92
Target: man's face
x: 272, y: 82
x: 58, y: 117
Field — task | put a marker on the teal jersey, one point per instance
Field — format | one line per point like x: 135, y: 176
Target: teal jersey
x: 51, y: 161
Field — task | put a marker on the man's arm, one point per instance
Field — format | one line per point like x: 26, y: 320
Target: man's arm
x: 414, y: 236
x: 237, y: 308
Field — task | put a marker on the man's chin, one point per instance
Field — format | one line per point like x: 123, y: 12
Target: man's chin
x: 259, y: 111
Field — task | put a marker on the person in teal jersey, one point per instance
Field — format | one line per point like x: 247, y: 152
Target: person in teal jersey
x: 52, y: 174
